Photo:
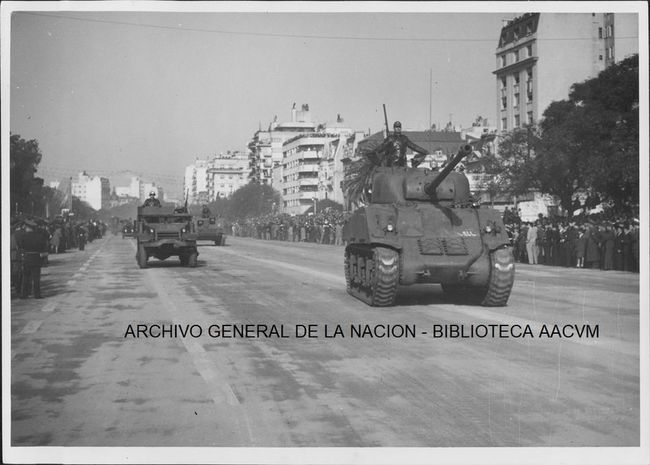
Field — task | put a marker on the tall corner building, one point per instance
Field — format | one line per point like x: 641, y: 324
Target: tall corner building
x: 540, y: 55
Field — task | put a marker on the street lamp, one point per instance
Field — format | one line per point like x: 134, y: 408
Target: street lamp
x: 315, y: 204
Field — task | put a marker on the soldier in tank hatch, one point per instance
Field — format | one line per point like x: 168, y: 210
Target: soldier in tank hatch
x: 394, y: 149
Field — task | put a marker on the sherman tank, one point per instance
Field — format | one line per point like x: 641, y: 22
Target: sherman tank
x: 422, y: 226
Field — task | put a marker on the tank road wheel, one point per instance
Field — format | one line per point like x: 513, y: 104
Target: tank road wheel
x: 372, y: 274
x: 141, y: 256
x: 192, y: 259
x: 502, y: 277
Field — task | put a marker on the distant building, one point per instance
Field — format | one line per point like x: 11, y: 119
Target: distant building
x: 540, y: 55
x: 226, y: 173
x: 311, y: 168
x: 137, y: 189
x: 216, y: 177
x: 265, y: 148
x: 195, y: 185
x: 94, y: 190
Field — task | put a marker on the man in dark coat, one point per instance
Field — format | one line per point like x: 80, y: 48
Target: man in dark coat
x: 32, y: 242
x: 592, y: 248
x: 394, y: 149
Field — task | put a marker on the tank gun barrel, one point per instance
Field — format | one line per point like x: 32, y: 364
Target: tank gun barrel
x: 464, y: 150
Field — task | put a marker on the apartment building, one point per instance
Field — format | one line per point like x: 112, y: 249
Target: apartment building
x: 226, y: 173
x: 265, y: 148
x: 540, y: 55
x: 195, y: 183
x: 94, y: 190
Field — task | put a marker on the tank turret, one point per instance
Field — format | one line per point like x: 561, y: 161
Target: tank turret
x: 431, y: 187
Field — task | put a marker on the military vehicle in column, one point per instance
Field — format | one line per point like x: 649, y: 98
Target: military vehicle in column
x: 163, y: 232
x: 210, y: 229
x: 422, y: 226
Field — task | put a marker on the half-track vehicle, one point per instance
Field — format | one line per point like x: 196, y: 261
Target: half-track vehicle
x: 422, y: 226
x: 210, y: 229
x: 162, y: 232
x: 127, y: 229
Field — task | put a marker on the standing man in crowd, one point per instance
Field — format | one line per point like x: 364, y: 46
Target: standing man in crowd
x: 531, y: 244
x: 32, y: 244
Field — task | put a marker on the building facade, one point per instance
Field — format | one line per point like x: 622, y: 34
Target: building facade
x: 138, y: 189
x: 94, y: 190
x: 216, y: 177
x: 540, y: 55
x: 195, y: 183
x: 226, y: 173
x: 266, y: 147
x: 298, y: 174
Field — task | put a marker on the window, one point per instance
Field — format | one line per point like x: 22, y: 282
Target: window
x: 515, y: 102
x: 529, y: 117
x: 607, y: 53
x: 529, y: 50
x: 503, y: 82
x: 516, y: 55
x: 529, y: 28
x: 503, y: 60
x: 600, y: 57
x: 600, y: 32
x: 516, y: 78
x: 504, y: 103
x: 517, y: 121
x: 504, y: 124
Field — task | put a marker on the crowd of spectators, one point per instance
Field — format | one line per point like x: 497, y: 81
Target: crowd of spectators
x: 595, y: 241
x: 323, y: 227
x: 60, y: 234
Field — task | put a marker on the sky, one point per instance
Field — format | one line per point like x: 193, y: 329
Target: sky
x: 149, y: 92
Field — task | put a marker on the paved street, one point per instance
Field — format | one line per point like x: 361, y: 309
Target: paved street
x: 78, y: 381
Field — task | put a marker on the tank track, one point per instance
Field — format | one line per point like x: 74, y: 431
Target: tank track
x: 372, y: 274
x: 502, y: 277
x: 497, y: 291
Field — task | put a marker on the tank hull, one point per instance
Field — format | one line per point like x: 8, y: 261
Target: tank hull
x: 456, y: 247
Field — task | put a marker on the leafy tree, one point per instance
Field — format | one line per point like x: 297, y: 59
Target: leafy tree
x: 253, y: 200
x: 590, y: 142
x: 513, y: 166
x: 82, y: 210
x: 25, y: 188
x: 586, y: 146
x: 55, y: 200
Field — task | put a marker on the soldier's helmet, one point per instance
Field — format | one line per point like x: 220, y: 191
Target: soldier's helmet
x: 397, y: 125
x: 152, y: 194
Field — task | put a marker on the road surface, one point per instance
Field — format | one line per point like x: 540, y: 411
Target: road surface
x: 85, y: 374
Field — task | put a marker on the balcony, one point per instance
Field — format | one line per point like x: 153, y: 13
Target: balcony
x: 308, y: 168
